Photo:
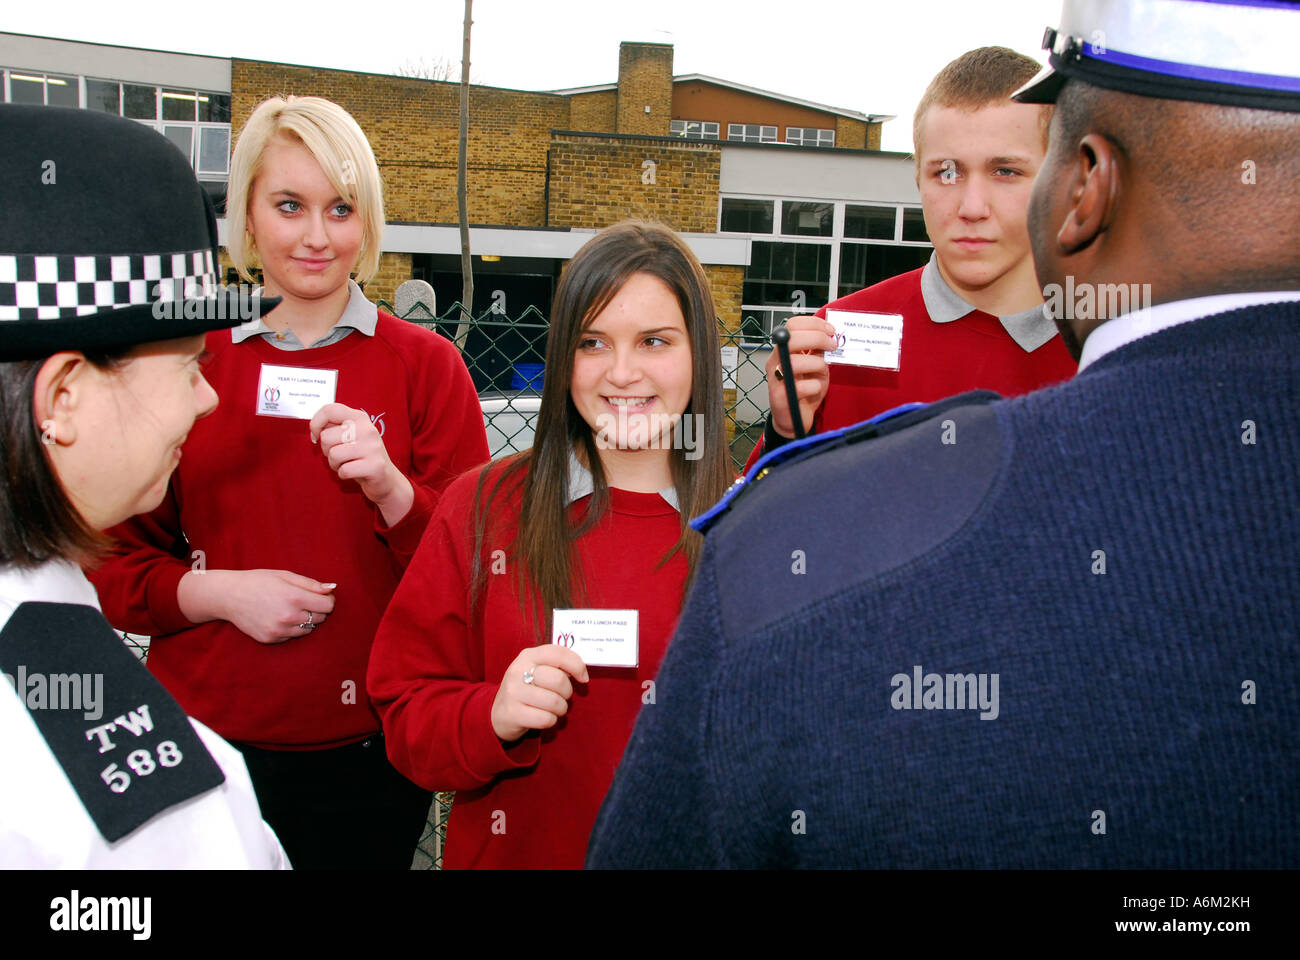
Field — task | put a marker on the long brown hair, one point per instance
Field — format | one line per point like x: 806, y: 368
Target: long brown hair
x: 541, y: 546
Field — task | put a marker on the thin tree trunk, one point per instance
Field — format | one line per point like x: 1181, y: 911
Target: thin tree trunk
x: 462, y: 196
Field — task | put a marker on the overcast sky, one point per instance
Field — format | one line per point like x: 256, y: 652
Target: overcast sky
x: 864, y: 55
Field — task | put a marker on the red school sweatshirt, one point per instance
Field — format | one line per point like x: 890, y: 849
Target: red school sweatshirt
x: 436, y: 667
x: 254, y: 492
x: 936, y: 360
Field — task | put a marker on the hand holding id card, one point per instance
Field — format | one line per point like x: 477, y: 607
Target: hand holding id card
x: 866, y: 339
x: 603, y: 638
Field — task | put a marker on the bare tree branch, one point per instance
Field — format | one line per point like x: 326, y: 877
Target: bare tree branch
x: 436, y: 68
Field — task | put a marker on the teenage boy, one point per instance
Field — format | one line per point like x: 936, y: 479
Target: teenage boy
x: 972, y: 317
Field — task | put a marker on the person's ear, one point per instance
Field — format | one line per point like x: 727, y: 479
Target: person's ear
x: 61, y: 390
x: 1094, y: 194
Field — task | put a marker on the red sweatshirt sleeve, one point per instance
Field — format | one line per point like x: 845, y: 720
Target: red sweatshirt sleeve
x: 760, y: 447
x: 426, y: 667
x: 447, y: 434
x: 137, y: 582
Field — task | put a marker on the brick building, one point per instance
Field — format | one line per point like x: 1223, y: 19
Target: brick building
x: 787, y: 203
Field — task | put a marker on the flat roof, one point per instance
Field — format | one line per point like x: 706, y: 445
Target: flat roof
x: 755, y: 91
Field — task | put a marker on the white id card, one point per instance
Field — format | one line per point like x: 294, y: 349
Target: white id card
x: 866, y: 339
x: 294, y: 391
x: 603, y: 638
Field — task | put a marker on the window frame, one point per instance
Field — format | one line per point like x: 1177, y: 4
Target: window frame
x: 776, y: 221
x: 157, y: 123
x: 762, y: 136
x: 704, y: 129
x: 835, y: 241
x: 818, y: 141
x: 28, y: 75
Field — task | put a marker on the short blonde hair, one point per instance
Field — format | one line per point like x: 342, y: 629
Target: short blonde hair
x: 336, y: 141
x: 979, y: 78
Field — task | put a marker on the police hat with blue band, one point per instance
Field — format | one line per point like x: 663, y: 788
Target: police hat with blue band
x: 106, y: 238
x: 1240, y: 53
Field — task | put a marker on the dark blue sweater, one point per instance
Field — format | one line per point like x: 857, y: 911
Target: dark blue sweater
x: 785, y: 731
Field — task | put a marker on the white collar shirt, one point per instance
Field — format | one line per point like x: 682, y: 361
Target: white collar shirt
x: 581, y: 484
x: 359, y: 314
x: 1128, y: 327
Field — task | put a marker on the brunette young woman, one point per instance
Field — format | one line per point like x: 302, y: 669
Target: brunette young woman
x: 629, y: 445
x: 264, y: 573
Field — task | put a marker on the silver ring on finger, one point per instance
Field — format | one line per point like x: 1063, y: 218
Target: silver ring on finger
x: 529, y: 677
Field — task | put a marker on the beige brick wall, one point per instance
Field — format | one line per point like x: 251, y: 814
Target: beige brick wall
x: 645, y: 78
x: 413, y: 126
x: 873, y: 136
x: 726, y: 282
x: 850, y: 134
x: 597, y: 181
x: 394, y: 270
x: 593, y: 111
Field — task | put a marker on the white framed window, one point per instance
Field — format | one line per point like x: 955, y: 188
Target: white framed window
x: 41, y: 89
x: 196, y: 121
x: 746, y: 215
x: 751, y: 132
x: 804, y: 218
x: 810, y: 136
x: 806, y: 252
x: 694, y: 129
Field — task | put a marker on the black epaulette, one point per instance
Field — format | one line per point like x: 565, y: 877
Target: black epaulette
x: 124, y: 743
x: 891, y: 421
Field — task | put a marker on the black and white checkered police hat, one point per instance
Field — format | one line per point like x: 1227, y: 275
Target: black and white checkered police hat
x: 101, y: 221
x: 1241, y: 53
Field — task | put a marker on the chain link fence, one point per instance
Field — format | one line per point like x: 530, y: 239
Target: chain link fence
x: 506, y: 360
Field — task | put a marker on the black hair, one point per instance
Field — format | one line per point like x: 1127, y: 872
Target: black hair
x: 38, y: 522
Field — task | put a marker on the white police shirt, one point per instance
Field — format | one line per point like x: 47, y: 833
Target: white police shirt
x: 43, y: 820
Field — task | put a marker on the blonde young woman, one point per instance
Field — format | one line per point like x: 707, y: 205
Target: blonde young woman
x: 265, y: 571
x: 630, y: 444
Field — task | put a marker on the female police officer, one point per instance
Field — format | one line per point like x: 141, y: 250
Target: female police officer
x: 99, y: 385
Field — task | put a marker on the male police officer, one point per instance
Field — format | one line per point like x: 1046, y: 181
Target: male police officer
x: 1057, y: 630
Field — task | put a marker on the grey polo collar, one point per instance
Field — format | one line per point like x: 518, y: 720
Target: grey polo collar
x: 1030, y: 328
x: 582, y: 485
x: 358, y: 314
